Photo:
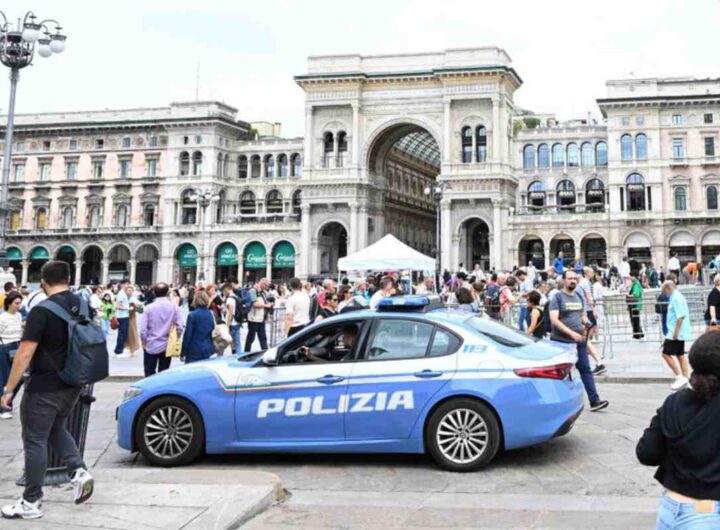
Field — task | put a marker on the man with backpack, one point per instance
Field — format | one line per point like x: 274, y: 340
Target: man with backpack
x: 256, y: 319
x: 50, y: 353
x: 236, y: 310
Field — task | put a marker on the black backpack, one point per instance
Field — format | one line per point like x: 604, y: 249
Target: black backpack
x: 314, y: 308
x: 243, y: 305
x: 492, y: 302
x: 87, y: 356
x: 545, y: 324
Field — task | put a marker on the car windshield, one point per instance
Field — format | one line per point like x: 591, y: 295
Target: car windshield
x: 499, y: 332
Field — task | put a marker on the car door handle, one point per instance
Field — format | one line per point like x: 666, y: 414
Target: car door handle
x: 330, y: 379
x: 427, y: 374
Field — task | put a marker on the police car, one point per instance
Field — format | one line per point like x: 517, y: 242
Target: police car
x: 407, y: 378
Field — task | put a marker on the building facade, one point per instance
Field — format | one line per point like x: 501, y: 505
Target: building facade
x: 189, y: 192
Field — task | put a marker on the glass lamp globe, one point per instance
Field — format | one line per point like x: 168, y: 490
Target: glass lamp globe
x: 57, y: 44
x: 44, y: 50
x: 31, y: 33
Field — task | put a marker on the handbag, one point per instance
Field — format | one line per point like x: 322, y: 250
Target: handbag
x: 174, y: 346
x: 114, y: 324
x: 221, y: 338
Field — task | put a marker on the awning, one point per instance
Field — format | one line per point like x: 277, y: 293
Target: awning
x: 227, y: 255
x: 14, y: 253
x: 39, y: 253
x: 387, y: 254
x: 283, y: 256
x: 66, y: 249
x: 682, y: 239
x: 638, y: 240
x: 712, y: 238
x: 255, y: 256
x: 187, y: 255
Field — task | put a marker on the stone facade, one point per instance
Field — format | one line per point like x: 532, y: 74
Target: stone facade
x: 189, y: 192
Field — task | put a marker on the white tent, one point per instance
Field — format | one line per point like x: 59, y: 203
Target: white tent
x: 387, y: 254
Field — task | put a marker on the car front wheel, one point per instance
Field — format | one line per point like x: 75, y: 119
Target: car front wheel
x: 463, y: 435
x: 170, y: 432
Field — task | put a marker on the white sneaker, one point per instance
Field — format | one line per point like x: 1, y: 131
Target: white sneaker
x: 679, y: 383
x: 122, y: 355
x: 84, y: 484
x: 22, y: 509
x: 6, y: 415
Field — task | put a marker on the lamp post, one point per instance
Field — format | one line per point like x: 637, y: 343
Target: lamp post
x: 204, y: 199
x: 437, y: 191
x: 17, y: 50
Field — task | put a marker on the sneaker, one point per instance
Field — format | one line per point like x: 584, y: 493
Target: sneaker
x: 679, y: 383
x: 6, y: 415
x: 122, y: 355
x: 22, y: 509
x: 599, y: 369
x: 84, y: 484
x: 599, y: 405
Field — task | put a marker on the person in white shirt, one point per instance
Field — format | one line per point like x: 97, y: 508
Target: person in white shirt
x: 673, y: 267
x: 34, y: 299
x: 531, y: 272
x: 385, y: 291
x: 624, y: 269
x: 11, y: 330
x: 297, y: 308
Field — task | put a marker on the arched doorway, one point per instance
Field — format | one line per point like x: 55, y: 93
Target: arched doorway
x: 332, y: 245
x: 67, y: 254
x: 118, y: 257
x: 683, y: 244
x: 474, y: 244
x: 403, y: 162
x: 226, y: 262
x: 14, y: 256
x: 91, y: 273
x: 254, y: 261
x: 565, y: 244
x: 593, y: 251
x: 39, y: 256
x: 639, y: 247
x: 186, y: 257
x: 283, y: 261
x: 532, y: 250
x: 710, y: 246
x: 145, y: 257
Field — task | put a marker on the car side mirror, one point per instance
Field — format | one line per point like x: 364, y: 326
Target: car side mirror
x: 269, y: 358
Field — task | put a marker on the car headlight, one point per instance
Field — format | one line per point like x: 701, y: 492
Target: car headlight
x: 131, y: 392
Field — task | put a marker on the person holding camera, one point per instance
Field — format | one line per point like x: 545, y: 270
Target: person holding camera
x: 262, y: 305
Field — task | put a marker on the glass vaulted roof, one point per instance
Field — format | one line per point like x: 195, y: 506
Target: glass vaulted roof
x: 421, y: 145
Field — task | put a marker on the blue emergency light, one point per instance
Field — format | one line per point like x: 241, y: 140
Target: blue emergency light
x: 415, y: 303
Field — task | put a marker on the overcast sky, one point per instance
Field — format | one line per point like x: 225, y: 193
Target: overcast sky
x: 145, y: 53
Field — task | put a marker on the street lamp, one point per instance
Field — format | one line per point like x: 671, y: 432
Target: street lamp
x: 204, y: 199
x: 437, y: 191
x: 17, y: 50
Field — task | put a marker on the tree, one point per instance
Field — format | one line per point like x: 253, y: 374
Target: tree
x: 531, y: 123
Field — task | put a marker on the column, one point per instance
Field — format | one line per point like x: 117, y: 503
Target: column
x: 240, y: 271
x: 496, y: 129
x: 105, y: 271
x: 356, y: 134
x: 447, y: 140
x: 133, y: 270
x: 25, y: 269
x: 455, y: 254
x: 306, y: 240
x: 334, y: 161
x: 263, y: 173
x: 445, y: 233
x: 268, y: 265
x: 362, y: 227
x: 698, y: 253
x: 496, y: 260
x: 354, y: 228
x: 78, y: 271
x: 308, y: 161
x: 473, y: 155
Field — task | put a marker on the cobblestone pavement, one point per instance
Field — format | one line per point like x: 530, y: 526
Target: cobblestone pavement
x: 586, y: 479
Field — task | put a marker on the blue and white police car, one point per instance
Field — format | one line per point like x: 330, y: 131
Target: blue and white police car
x: 406, y: 378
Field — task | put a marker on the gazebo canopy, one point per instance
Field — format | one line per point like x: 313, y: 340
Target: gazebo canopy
x: 387, y: 254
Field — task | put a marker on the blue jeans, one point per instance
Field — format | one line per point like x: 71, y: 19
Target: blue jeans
x: 235, y: 334
x: 674, y: 515
x: 583, y: 366
x: 523, y: 317
x: 123, y: 328
x: 5, y: 361
x: 106, y: 327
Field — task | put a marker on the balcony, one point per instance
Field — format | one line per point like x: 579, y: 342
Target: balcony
x: 711, y: 161
x: 679, y: 162
x: 84, y: 231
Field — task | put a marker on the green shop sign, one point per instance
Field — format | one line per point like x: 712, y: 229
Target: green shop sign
x: 187, y: 255
x: 283, y: 256
x: 14, y: 253
x: 255, y: 256
x: 39, y: 253
x: 227, y: 254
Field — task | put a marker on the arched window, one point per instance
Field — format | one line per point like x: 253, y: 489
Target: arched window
x: 121, y: 216
x: 94, y: 217
x: 149, y: 215
x: 243, y: 167
x: 269, y: 166
x: 543, y: 156
x: 68, y: 217
x: 41, y: 219
x: 466, y: 145
x: 189, y: 208
x: 537, y: 195
x: 248, y: 205
x: 282, y: 165
x: 641, y: 147
x: 594, y: 195
x: 712, y: 197
x: 626, y: 147
x: 197, y: 162
x: 558, y: 158
x: 296, y: 163
x: 328, y: 143
x: 273, y: 202
x: 601, y: 158
x: 573, y: 155
x: 342, y: 142
x: 184, y: 163
x: 297, y: 202
x: 220, y: 208
x: 481, y: 143
x: 255, y: 166
x: 680, y: 196
x: 635, y: 192
x: 529, y: 157
x: 587, y: 154
x: 566, y: 196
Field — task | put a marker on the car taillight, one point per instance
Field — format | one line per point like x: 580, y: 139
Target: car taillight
x: 558, y: 371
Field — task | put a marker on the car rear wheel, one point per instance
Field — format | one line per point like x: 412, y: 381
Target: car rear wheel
x: 170, y: 432
x: 463, y: 435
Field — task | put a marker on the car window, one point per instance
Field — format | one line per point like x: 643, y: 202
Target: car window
x: 444, y: 343
x: 399, y: 339
x: 500, y: 333
x: 327, y: 343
